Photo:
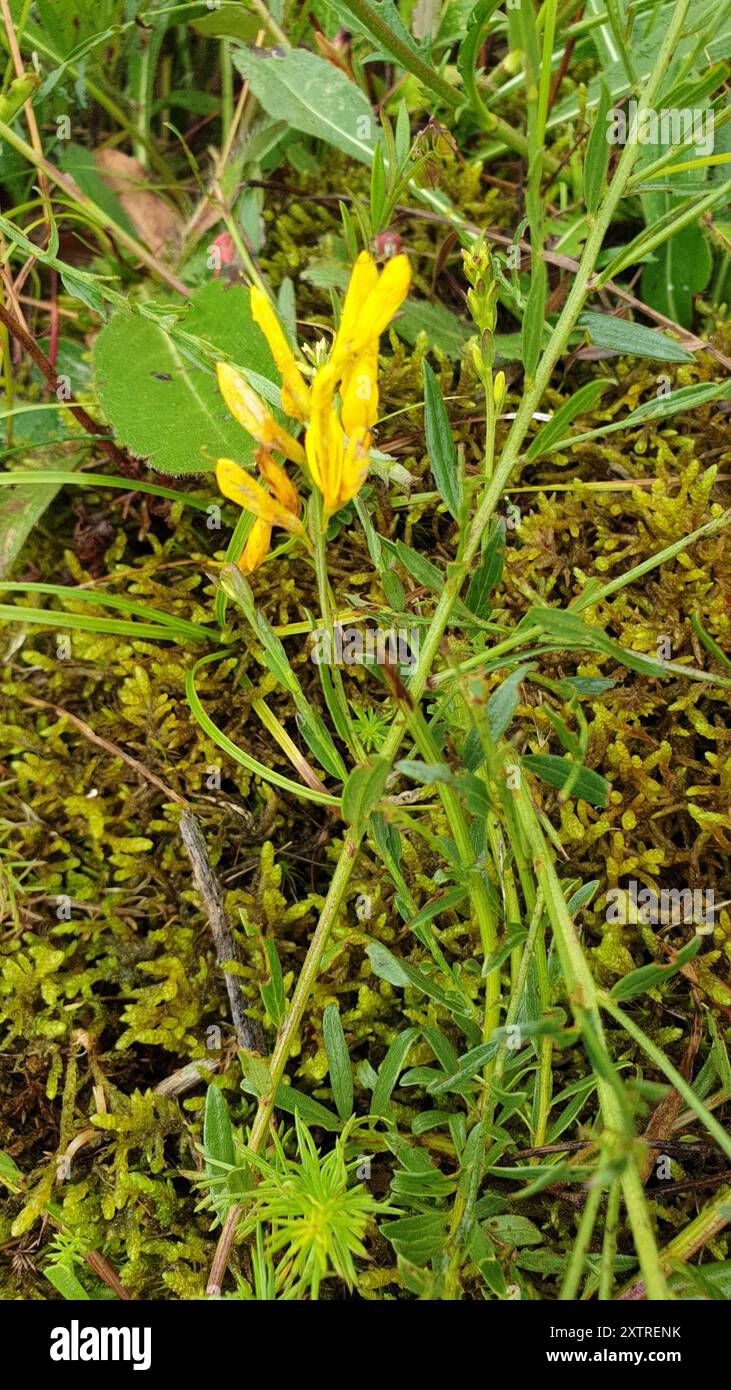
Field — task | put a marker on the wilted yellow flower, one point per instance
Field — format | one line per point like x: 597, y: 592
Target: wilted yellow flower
x: 276, y: 505
x: 278, y: 483
x: 295, y: 395
x: 257, y: 546
x: 355, y: 466
x: 253, y: 414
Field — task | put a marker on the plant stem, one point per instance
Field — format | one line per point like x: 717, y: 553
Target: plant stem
x: 609, y: 1244
x: 582, y: 996
x: 706, y: 1225
x: 577, y: 973
x: 570, y: 1284
x: 95, y: 214
x: 598, y: 226
x: 305, y: 983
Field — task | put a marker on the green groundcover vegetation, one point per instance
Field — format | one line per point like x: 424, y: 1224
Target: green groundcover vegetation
x: 365, y: 905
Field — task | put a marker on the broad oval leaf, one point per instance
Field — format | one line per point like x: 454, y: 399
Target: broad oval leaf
x: 166, y: 407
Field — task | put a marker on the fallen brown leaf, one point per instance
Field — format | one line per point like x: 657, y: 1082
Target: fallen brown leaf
x: 157, y: 225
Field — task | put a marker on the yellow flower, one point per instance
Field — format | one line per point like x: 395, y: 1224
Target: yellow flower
x: 370, y: 303
x: 278, y: 483
x: 336, y: 445
x: 276, y: 505
x: 363, y: 278
x: 324, y: 440
x: 295, y: 395
x: 251, y: 412
x: 354, y: 467
x: 257, y: 546
x: 359, y: 392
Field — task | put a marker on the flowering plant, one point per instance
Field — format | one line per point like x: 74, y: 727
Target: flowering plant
x: 337, y: 441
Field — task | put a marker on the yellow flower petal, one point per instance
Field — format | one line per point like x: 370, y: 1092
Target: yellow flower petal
x: 363, y: 278
x: 260, y: 538
x: 250, y: 411
x: 236, y: 484
x: 278, y: 483
x: 295, y: 395
x: 383, y: 301
x: 324, y: 441
x: 359, y: 392
x: 355, y: 466
x: 313, y: 460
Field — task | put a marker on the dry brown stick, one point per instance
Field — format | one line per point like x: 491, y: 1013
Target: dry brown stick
x: 104, y: 1270
x: 223, y: 940
x: 195, y: 846
x: 29, y: 113
x: 52, y: 377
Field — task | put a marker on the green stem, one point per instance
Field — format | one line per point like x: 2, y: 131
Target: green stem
x: 609, y: 1243
x: 280, y: 1056
x: 673, y: 1075
x: 479, y: 894
x: 582, y: 996
x: 305, y: 984
x: 575, y: 967
x: 570, y: 1285
x: 709, y: 1223
x: 598, y: 226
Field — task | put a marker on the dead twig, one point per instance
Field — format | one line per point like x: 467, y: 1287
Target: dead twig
x: 223, y: 940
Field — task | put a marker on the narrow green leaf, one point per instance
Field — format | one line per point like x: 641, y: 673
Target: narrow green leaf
x: 294, y: 1102
x: 503, y: 702
x: 619, y: 335
x: 418, y: 1239
x: 417, y: 565
x: 338, y: 1061
x: 218, y: 1147
x: 651, y: 976
x: 363, y: 789
x: 581, y: 403
x: 65, y: 1282
x: 390, y: 1068
x: 598, y: 149
x: 272, y: 992
x: 661, y: 407
x: 440, y: 443
x: 488, y: 575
